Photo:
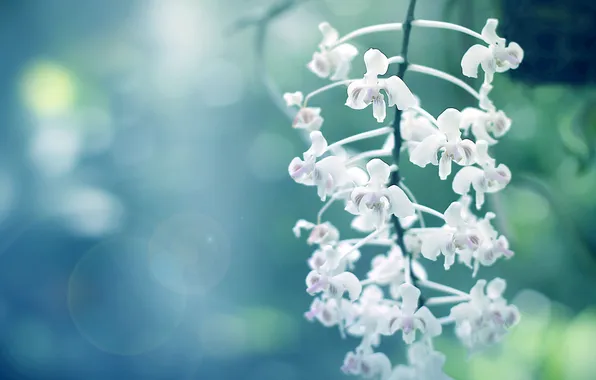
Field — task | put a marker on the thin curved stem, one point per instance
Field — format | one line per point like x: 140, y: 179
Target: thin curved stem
x: 381, y: 242
x: 369, y: 154
x: 446, y: 25
x: 365, y: 240
x: 396, y: 26
x: 445, y: 300
x: 429, y: 210
x: 446, y: 320
x: 361, y: 136
x: 332, y: 200
x: 442, y: 288
x: 326, y: 88
x: 427, y: 115
x: 443, y: 75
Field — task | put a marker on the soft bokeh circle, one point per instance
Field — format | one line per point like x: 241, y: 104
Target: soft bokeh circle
x: 115, y: 302
x: 189, y: 253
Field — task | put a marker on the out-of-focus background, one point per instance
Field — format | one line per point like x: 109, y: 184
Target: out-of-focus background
x: 146, y: 210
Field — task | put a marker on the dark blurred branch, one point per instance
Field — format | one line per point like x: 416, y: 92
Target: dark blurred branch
x: 262, y: 23
x: 395, y: 176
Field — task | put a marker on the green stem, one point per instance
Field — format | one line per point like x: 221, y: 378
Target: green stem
x: 395, y: 177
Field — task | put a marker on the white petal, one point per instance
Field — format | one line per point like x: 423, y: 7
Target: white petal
x: 432, y: 326
x: 330, y: 35
x: 426, y: 152
x: 320, y: 65
x: 444, y: 166
x: 318, y: 143
x: 466, y: 177
x: 308, y: 118
x: 300, y: 225
x: 376, y: 62
x: 335, y: 166
x: 401, y: 205
x: 379, y: 365
x: 398, y: 93
x: 467, y: 150
x: 515, y: 55
x: 293, y: 98
x: 431, y: 245
x: 350, y: 283
x: 358, y: 175
x: 454, y: 215
x: 489, y: 32
x: 358, y: 95
x: 409, y: 296
x: 496, y: 288
x: 378, y: 171
x: 379, y: 108
x: 449, y: 122
x: 419, y: 271
x: 481, y: 133
x: 473, y: 58
x: 361, y: 223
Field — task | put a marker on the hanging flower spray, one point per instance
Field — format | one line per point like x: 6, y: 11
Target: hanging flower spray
x: 389, y: 300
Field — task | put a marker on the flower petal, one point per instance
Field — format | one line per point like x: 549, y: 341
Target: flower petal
x: 349, y: 283
x: 465, y: 177
x: 358, y: 95
x: 302, y: 225
x: 449, y: 122
x: 318, y: 144
x: 409, y: 296
x: 432, y: 326
x: 379, y: 108
x: 444, y: 166
x: 293, y: 98
x: 330, y: 35
x: 378, y: 171
x: 489, y: 32
x: 398, y: 93
x: 376, y: 63
x: 496, y: 288
x: 426, y: 151
x: 401, y: 205
x: 473, y: 58
x: 320, y: 65
x: 454, y: 215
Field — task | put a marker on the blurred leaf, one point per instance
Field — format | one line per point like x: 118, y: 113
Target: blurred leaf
x: 579, y: 135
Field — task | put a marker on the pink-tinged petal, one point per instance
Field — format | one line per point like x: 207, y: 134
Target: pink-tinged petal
x: 401, y: 205
x: 293, y: 98
x: 515, y: 55
x: 398, y: 93
x: 376, y: 63
x: 426, y: 151
x: 349, y: 283
x: 320, y: 65
x: 467, y: 150
x: 358, y: 95
x: 474, y: 58
x: 465, y: 177
x: 432, y: 326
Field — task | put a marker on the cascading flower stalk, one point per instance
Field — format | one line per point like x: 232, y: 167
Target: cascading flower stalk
x: 390, y: 299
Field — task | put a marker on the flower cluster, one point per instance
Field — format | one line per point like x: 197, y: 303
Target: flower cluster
x: 389, y: 300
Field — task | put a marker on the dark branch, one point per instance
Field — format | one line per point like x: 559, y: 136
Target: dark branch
x: 395, y: 177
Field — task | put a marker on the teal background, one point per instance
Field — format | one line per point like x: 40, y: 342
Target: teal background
x: 146, y: 209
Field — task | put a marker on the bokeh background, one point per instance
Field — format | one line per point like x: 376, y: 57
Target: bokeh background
x: 146, y: 210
